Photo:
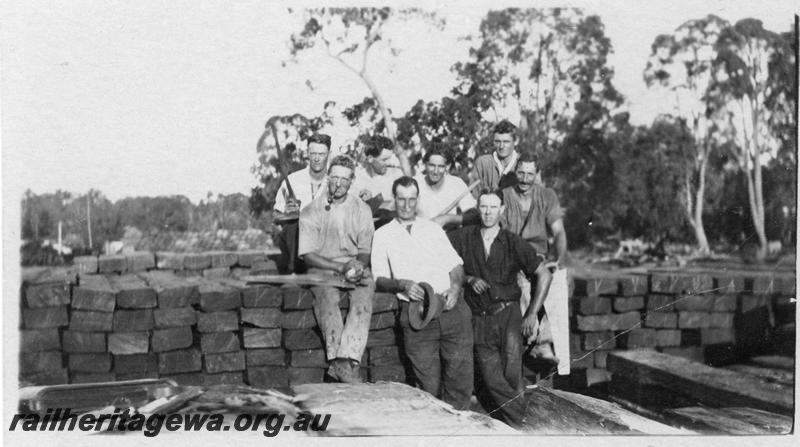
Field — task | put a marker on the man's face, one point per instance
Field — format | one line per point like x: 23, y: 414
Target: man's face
x: 527, y: 173
x: 381, y: 162
x: 339, y: 179
x: 405, y: 202
x: 435, y: 169
x: 491, y: 208
x: 503, y: 144
x: 317, y: 157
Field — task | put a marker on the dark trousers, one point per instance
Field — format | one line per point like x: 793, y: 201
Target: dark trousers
x: 441, y: 354
x: 498, y: 354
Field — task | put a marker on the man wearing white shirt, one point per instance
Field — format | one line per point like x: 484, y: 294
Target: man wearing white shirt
x: 408, y: 251
x: 376, y: 177
x: 307, y: 185
x: 438, y: 189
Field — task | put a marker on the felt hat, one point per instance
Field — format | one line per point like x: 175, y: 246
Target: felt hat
x: 420, y: 313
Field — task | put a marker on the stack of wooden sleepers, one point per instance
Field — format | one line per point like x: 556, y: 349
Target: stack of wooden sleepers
x: 753, y: 397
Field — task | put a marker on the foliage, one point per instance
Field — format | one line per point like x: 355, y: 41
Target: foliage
x: 649, y: 167
x: 547, y: 70
x: 754, y: 89
x: 547, y: 66
x: 348, y: 34
x: 455, y: 123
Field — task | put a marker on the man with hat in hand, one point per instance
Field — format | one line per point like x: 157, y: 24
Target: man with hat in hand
x: 336, y: 232
x: 412, y: 257
x: 492, y: 259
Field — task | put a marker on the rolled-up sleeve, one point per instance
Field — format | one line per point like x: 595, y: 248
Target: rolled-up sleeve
x: 448, y: 255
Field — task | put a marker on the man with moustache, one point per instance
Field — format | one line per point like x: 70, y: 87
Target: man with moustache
x: 336, y: 233
x: 307, y: 185
x: 409, y: 251
x: 495, y: 170
x: 530, y: 211
x: 493, y: 257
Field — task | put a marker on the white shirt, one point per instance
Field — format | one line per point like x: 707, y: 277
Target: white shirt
x: 424, y: 255
x: 512, y: 162
x: 305, y: 190
x: 432, y: 203
x: 379, y: 184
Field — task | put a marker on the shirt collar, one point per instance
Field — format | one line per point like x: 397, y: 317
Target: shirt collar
x: 476, y: 230
x: 505, y: 169
x: 401, y: 226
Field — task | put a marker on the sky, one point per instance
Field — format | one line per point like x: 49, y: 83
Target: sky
x: 161, y: 98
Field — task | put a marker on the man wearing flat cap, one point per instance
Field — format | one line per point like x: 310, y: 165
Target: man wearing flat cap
x: 413, y: 258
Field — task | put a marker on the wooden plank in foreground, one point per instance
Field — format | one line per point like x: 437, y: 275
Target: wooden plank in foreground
x: 613, y: 412
x: 732, y: 421
x: 781, y: 376
x: 714, y: 387
x: 390, y: 408
x: 772, y: 361
x: 306, y: 279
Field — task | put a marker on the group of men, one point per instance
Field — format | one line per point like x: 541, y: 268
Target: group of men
x: 473, y: 277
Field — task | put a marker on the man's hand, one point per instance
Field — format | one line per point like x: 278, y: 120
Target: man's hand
x: 530, y: 326
x: 353, y: 270
x: 478, y: 285
x: 413, y: 290
x: 292, y: 206
x: 451, y: 297
x: 553, y: 266
x: 365, y: 194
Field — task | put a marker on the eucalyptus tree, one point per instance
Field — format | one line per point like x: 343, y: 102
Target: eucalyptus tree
x: 754, y: 86
x: 682, y: 63
x: 546, y: 66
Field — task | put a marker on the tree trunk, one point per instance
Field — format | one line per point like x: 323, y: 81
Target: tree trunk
x: 699, y: 229
x: 387, y: 116
x: 693, y: 211
x: 758, y: 213
x: 89, y: 217
x: 755, y: 189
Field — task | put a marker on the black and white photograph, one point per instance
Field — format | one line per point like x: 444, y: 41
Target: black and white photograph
x: 424, y: 222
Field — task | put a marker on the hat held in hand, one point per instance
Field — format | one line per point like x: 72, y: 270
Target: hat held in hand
x: 422, y: 312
